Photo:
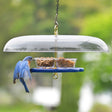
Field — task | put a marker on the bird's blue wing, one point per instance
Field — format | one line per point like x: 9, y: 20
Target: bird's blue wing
x: 16, y: 71
x: 25, y: 70
x: 24, y: 84
x: 28, y: 71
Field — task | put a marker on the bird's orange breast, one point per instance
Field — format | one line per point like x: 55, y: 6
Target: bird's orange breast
x: 29, y: 63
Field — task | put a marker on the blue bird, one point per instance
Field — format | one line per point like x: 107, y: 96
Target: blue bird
x: 22, y: 70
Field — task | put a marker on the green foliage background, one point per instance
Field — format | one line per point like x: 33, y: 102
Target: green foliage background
x: 36, y: 17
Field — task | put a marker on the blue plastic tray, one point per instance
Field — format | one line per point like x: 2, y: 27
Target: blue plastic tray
x: 57, y: 70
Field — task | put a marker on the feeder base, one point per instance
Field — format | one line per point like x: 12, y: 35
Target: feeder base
x: 57, y: 70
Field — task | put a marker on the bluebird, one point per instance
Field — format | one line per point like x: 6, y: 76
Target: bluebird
x: 22, y: 70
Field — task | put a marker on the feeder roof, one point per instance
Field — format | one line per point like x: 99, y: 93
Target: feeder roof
x: 48, y: 43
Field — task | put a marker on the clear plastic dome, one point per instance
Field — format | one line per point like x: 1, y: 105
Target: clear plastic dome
x: 48, y: 43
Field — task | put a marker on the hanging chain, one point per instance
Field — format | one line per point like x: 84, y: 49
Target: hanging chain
x: 57, y: 7
x: 56, y: 27
x: 56, y: 19
x: 55, y: 76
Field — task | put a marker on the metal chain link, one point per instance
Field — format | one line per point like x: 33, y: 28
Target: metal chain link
x: 57, y: 6
x: 56, y: 19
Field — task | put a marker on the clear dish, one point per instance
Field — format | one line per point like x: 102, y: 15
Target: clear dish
x: 48, y: 43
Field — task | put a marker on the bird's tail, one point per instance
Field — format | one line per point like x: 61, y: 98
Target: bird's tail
x: 25, y: 86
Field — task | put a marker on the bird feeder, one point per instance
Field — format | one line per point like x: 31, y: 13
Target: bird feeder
x: 57, y: 44
x: 48, y: 43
